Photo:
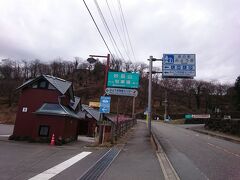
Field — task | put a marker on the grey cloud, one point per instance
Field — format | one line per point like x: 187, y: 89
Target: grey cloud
x: 49, y: 29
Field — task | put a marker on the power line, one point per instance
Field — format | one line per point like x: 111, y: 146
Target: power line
x: 107, y: 28
x: 98, y: 28
x: 123, y: 28
x: 126, y: 29
x: 117, y: 30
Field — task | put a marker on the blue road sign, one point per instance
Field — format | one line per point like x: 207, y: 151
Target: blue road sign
x: 179, y: 65
x: 105, y: 104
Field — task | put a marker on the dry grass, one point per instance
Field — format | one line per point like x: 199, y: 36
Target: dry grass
x: 177, y: 121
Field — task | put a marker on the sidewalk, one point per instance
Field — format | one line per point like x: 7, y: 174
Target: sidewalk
x: 137, y: 160
x: 221, y: 135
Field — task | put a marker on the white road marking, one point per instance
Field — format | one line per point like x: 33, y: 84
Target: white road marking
x: 225, y: 150
x: 60, y: 167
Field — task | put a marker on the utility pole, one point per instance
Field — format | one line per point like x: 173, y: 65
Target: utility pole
x: 102, y: 127
x: 106, y: 73
x: 150, y: 95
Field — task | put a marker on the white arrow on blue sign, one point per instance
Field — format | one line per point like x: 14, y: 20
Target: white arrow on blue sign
x: 105, y: 104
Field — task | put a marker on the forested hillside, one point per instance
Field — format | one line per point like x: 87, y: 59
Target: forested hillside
x: 183, y: 96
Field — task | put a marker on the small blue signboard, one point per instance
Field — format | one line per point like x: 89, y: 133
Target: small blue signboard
x: 105, y: 104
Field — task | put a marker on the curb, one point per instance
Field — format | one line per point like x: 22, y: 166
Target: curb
x: 166, y: 166
x: 215, y: 135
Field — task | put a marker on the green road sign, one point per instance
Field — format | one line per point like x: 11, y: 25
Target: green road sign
x: 188, y: 116
x: 123, y: 80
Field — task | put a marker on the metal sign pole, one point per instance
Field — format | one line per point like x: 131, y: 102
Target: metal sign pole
x: 117, y: 115
x: 133, y: 108
x: 150, y: 95
x: 165, y: 104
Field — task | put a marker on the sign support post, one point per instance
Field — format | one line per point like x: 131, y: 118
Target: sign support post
x: 165, y: 105
x: 150, y: 95
x: 117, y: 116
x: 133, y: 108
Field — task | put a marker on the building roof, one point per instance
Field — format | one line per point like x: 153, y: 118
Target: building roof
x: 93, y: 112
x: 56, y: 110
x: 60, y: 84
x: 74, y: 104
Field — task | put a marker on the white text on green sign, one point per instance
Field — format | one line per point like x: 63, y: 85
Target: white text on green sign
x: 123, y: 79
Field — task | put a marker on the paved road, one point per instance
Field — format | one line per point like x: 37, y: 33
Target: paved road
x: 197, y: 156
x: 22, y: 160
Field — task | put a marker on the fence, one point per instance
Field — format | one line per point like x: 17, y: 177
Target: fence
x: 120, y: 128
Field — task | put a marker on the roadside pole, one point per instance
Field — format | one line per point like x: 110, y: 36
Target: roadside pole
x: 165, y: 105
x: 100, y: 130
x: 106, y: 73
x: 103, y: 136
x: 151, y: 59
x: 117, y: 116
x: 102, y: 127
x: 150, y: 95
x: 133, y: 108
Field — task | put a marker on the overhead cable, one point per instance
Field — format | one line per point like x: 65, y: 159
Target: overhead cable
x: 107, y: 28
x: 98, y: 29
x: 117, y: 30
x: 126, y: 29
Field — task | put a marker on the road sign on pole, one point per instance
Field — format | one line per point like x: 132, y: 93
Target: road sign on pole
x: 123, y: 79
x: 179, y: 65
x: 121, y: 92
x: 105, y: 104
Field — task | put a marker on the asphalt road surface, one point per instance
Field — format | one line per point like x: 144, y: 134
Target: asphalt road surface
x: 20, y: 160
x: 197, y: 156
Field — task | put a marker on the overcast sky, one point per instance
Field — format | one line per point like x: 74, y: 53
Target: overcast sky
x: 48, y: 29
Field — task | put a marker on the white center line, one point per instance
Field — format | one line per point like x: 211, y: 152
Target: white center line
x: 225, y: 150
x: 60, y: 167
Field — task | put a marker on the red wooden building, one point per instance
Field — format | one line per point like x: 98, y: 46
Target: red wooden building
x: 47, y: 106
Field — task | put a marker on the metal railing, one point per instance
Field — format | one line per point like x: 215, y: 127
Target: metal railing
x: 122, y: 127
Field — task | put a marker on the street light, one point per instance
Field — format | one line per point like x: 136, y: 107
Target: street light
x: 151, y: 59
x: 91, y: 59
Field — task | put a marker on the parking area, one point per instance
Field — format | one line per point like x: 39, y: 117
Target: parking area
x: 24, y: 160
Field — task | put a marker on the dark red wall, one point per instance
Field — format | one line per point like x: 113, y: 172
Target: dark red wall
x: 32, y: 99
x: 87, y: 127
x: 63, y: 127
